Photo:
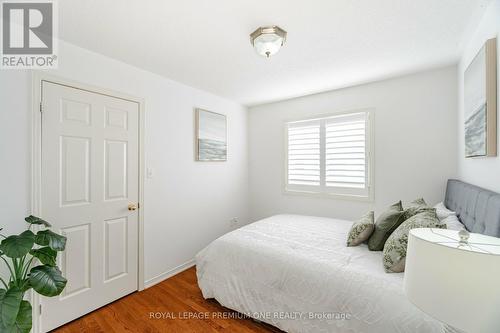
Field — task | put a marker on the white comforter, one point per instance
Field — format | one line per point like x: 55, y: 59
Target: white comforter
x: 295, y: 272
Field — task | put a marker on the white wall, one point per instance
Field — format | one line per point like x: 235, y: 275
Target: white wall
x: 15, y: 100
x: 484, y: 172
x: 415, y: 143
x: 187, y: 203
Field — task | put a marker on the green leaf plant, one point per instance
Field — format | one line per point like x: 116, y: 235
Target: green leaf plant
x: 31, y: 262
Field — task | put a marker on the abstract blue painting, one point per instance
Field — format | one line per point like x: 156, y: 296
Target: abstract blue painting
x: 475, y: 106
x: 480, y: 103
x: 211, y: 136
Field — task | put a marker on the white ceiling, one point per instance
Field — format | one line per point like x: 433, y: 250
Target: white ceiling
x: 331, y: 43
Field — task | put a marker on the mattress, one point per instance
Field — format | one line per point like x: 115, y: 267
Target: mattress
x: 296, y: 273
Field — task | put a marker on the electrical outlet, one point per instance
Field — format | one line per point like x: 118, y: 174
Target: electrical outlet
x: 234, y: 222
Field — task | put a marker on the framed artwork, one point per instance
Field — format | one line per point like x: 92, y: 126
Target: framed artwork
x: 480, y: 103
x: 211, y: 136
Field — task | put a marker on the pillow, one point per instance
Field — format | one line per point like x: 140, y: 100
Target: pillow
x: 361, y: 230
x: 415, y: 207
x: 386, y: 223
x: 418, y: 202
x: 443, y: 212
x: 394, y: 255
x: 453, y: 223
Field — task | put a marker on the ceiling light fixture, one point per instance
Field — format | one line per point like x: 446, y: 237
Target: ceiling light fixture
x: 268, y: 40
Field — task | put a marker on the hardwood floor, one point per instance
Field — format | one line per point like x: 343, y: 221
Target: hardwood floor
x: 176, y: 305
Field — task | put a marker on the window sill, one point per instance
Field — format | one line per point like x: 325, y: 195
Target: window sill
x: 348, y: 197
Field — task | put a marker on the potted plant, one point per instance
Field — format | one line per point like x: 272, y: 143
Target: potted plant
x: 19, y: 253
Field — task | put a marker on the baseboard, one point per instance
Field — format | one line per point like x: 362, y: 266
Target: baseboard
x: 165, y: 275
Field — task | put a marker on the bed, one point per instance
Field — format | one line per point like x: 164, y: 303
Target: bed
x: 295, y: 272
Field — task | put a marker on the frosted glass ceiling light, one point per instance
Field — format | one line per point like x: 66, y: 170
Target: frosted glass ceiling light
x: 268, y: 40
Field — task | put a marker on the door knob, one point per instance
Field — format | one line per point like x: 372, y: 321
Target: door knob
x: 132, y: 207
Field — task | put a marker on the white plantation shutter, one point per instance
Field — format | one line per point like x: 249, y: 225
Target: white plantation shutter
x: 345, y: 153
x: 304, y: 153
x: 330, y: 155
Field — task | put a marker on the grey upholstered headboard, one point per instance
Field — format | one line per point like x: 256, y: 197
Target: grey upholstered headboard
x: 478, y: 209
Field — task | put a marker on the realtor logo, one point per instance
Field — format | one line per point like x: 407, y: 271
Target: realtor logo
x: 28, y: 39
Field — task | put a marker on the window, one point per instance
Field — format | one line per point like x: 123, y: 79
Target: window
x: 330, y: 155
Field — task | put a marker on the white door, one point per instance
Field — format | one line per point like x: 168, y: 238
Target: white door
x: 90, y: 175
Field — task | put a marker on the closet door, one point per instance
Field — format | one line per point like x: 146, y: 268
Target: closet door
x: 90, y: 191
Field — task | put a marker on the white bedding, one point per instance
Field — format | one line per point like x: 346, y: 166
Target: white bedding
x: 295, y: 272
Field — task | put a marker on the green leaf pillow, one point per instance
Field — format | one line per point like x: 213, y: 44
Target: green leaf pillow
x: 386, y: 223
x: 394, y: 255
x: 361, y: 230
x: 415, y: 207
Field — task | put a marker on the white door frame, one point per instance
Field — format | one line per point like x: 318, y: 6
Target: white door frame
x: 36, y: 154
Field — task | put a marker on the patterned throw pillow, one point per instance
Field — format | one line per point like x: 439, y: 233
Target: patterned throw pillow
x: 415, y: 207
x: 394, y: 256
x: 386, y: 223
x: 361, y: 230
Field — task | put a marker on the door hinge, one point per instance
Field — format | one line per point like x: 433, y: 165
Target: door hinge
x: 41, y: 108
x: 40, y: 309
